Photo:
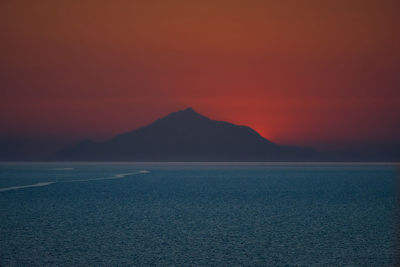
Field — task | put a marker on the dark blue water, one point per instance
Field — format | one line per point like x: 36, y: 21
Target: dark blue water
x: 198, y: 214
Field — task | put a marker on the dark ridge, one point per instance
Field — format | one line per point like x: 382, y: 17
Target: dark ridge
x: 186, y: 135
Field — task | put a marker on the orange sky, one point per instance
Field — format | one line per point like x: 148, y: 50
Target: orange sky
x: 314, y: 73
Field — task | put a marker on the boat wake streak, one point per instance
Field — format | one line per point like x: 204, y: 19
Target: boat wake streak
x: 117, y: 176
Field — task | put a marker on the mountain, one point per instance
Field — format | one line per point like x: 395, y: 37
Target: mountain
x: 27, y: 148
x: 186, y: 136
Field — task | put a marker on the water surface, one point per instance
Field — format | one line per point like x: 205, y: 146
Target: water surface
x: 198, y: 214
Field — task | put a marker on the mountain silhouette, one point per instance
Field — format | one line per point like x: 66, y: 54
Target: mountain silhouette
x: 186, y: 136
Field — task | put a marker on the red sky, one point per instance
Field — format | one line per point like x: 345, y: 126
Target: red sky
x: 314, y: 73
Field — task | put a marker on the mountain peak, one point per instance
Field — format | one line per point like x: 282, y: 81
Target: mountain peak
x: 188, y: 110
x: 187, y: 113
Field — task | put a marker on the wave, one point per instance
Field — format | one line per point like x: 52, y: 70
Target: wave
x: 117, y: 176
x: 25, y: 186
x: 63, y: 169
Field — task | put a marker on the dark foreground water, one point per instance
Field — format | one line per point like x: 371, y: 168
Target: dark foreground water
x: 198, y: 214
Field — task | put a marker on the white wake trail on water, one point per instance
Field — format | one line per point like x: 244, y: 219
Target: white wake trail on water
x: 117, y: 176
x: 25, y: 186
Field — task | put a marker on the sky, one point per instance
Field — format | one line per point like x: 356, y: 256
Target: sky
x: 313, y: 73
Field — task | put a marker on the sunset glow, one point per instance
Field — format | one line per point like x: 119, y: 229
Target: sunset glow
x: 298, y: 72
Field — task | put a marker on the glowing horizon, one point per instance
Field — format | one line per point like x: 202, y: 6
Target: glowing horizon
x: 312, y: 73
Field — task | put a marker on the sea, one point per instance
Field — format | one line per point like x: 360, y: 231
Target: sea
x: 199, y: 214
